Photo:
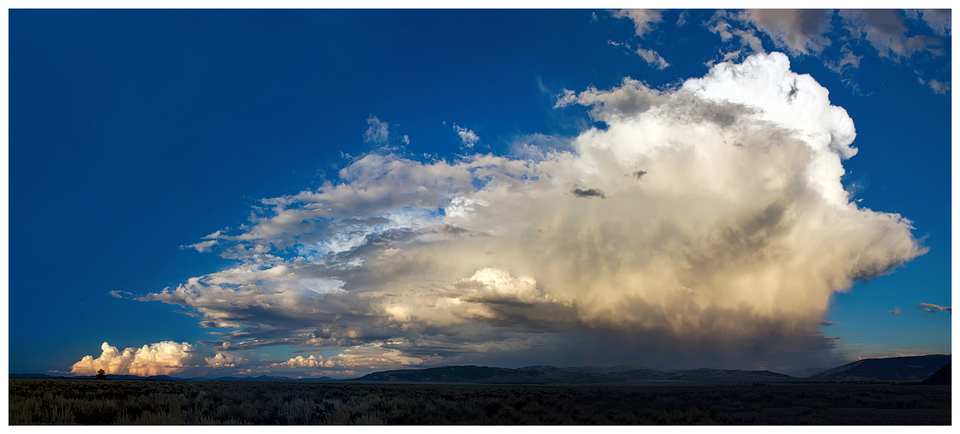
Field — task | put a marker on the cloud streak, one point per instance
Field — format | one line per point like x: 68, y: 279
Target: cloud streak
x: 933, y: 308
x: 644, y: 20
x: 202, y: 246
x: 723, y: 232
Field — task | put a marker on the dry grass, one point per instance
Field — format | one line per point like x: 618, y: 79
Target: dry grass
x: 128, y: 402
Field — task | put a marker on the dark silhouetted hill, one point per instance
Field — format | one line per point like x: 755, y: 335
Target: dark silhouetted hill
x: 915, y: 368
x: 554, y: 375
x: 941, y: 377
x: 806, y: 372
x: 33, y: 376
x: 265, y: 378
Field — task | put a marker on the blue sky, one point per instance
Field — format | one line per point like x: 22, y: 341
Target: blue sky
x: 331, y: 192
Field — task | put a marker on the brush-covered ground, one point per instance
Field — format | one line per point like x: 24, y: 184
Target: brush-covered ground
x: 130, y: 402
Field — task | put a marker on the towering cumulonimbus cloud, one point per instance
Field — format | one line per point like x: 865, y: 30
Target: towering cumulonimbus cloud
x: 706, y: 222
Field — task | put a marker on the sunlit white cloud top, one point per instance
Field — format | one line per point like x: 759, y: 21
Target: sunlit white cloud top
x: 704, y: 221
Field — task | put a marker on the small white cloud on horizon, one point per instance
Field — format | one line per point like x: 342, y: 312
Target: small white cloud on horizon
x: 356, y: 358
x: 221, y: 360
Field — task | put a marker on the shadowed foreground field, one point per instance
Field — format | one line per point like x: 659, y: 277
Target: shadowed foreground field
x: 125, y: 402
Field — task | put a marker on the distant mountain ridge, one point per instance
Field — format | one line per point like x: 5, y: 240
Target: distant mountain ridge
x: 169, y: 378
x: 554, y: 375
x: 914, y: 368
x: 941, y: 377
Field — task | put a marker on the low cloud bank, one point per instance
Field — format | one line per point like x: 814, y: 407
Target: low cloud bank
x: 161, y: 358
x: 360, y: 358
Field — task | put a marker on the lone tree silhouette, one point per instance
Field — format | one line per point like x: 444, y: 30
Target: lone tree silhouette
x: 101, y: 375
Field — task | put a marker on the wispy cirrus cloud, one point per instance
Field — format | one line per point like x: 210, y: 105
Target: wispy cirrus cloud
x: 738, y: 40
x: 202, y: 246
x: 653, y: 58
x: 377, y: 132
x: 886, y: 31
x: 847, y: 60
x: 645, y: 21
x: 841, y: 38
x: 800, y: 31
